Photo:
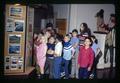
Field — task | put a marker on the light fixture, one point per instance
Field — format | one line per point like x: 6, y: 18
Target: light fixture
x: 17, y: 4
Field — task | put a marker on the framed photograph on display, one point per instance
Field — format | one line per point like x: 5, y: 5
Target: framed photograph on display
x: 7, y: 59
x: 7, y: 66
x: 14, y: 38
x: 14, y: 49
x: 10, y: 25
x: 15, y: 11
x: 19, y: 25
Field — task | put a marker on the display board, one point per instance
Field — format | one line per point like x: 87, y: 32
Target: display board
x: 15, y: 38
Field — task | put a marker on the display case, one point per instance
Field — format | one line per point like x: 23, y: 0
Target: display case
x: 18, y: 38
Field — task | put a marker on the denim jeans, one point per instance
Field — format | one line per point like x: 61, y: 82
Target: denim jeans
x: 57, y: 67
x: 83, y: 73
x: 66, y: 64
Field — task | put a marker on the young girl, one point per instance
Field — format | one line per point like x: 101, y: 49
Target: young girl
x: 84, y: 32
x: 57, y: 57
x: 85, y: 59
x: 50, y: 56
x: 97, y: 55
x: 41, y: 50
x: 68, y: 52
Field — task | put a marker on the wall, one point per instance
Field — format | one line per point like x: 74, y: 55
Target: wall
x: 86, y: 13
x: 61, y: 11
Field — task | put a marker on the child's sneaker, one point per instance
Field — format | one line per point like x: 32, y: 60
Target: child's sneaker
x: 91, y: 76
x: 62, y: 74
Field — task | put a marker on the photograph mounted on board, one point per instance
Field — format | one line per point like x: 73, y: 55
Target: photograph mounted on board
x: 15, y: 11
x: 10, y: 25
x: 14, y: 38
x: 19, y: 25
x: 14, y: 49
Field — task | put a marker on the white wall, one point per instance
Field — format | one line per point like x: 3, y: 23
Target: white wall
x: 86, y: 13
x: 62, y: 12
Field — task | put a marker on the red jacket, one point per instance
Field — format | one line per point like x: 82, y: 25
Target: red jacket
x: 85, y: 57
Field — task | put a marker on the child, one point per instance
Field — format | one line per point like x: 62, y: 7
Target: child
x: 68, y: 52
x: 85, y: 59
x: 97, y: 55
x: 41, y: 50
x: 50, y: 56
x: 74, y: 42
x: 57, y: 57
x: 84, y: 32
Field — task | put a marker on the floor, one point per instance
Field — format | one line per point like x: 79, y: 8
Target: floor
x: 101, y: 74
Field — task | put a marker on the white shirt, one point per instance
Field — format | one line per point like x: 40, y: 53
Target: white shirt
x: 58, y: 49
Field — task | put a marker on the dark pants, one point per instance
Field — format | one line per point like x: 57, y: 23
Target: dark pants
x: 66, y: 67
x: 83, y: 73
x: 57, y: 67
x: 95, y: 62
x: 111, y: 54
x: 49, y: 66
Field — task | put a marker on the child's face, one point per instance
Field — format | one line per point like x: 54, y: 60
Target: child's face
x: 66, y: 39
x: 87, y: 42
x: 93, y: 39
x: 51, y: 40
x: 43, y: 40
x: 81, y: 27
x: 74, y: 34
x: 48, y: 34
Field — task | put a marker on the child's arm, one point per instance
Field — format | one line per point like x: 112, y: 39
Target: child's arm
x: 44, y: 51
x: 73, y: 51
x: 91, y: 57
x: 79, y: 58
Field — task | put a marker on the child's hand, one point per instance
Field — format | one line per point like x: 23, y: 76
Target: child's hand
x: 89, y: 68
x: 78, y: 66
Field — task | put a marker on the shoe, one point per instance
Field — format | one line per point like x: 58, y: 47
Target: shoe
x: 91, y: 76
x: 62, y: 74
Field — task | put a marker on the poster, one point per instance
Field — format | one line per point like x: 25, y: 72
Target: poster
x: 15, y: 11
x: 19, y: 25
x: 10, y: 25
x: 14, y: 49
x: 14, y: 38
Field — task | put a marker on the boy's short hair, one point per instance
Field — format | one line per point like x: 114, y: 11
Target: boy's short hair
x: 67, y: 35
x: 75, y: 30
x: 90, y: 40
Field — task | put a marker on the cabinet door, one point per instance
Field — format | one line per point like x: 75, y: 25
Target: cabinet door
x: 61, y: 25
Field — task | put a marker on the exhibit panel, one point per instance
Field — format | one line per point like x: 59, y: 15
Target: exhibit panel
x: 16, y: 30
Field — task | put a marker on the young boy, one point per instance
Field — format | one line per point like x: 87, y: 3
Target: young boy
x: 85, y: 59
x: 68, y: 52
x: 57, y: 57
x: 74, y: 42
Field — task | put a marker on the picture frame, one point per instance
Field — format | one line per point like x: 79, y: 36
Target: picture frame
x: 10, y: 25
x: 14, y: 49
x: 19, y: 25
x: 14, y: 38
x: 15, y: 11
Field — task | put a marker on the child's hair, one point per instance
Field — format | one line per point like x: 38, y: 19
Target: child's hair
x: 75, y: 30
x: 86, y: 29
x: 59, y: 37
x: 49, y: 25
x: 51, y: 37
x: 96, y: 41
x: 90, y: 40
x: 67, y: 35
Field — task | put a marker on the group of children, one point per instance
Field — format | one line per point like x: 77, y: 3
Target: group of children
x: 54, y: 50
